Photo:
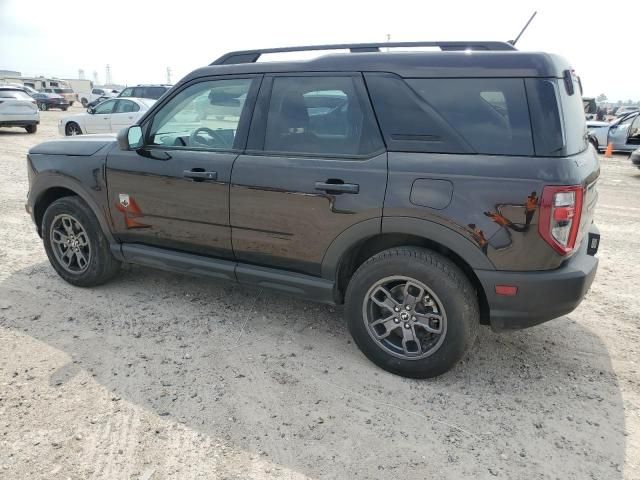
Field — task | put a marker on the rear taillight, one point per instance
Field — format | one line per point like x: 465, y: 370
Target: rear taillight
x: 560, y: 210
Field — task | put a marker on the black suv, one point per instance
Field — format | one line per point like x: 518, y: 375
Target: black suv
x: 153, y: 92
x: 430, y: 192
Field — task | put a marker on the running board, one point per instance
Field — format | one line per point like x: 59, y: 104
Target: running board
x: 298, y: 284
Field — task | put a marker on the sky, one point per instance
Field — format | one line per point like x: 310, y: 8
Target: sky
x: 139, y: 39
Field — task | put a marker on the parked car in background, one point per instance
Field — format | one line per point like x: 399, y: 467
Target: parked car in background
x: 145, y: 91
x: 18, y: 109
x: 108, y: 117
x: 97, y: 92
x: 67, y: 93
x: 635, y: 157
x: 98, y: 101
x: 46, y: 101
x: 622, y: 111
x: 622, y: 133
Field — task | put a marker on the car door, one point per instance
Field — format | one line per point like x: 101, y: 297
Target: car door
x: 98, y: 119
x: 633, y: 139
x: 125, y: 113
x: 619, y: 133
x: 315, y: 166
x: 174, y: 191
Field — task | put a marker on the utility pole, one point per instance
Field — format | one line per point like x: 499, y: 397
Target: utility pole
x: 169, y: 75
x: 95, y: 78
x: 388, y: 40
x: 81, y: 74
x: 108, y: 75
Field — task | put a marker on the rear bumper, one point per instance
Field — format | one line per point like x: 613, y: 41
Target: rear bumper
x: 542, y: 295
x: 18, y: 123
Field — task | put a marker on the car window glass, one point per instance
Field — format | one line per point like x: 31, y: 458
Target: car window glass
x: 491, y: 114
x: 137, y: 92
x: 127, y: 92
x: 204, y: 115
x: 126, y: 106
x: 321, y: 115
x: 17, y: 94
x: 105, y: 107
x: 635, y: 128
x: 154, y: 92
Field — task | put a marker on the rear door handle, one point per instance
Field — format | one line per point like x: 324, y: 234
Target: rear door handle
x: 200, y: 175
x: 337, y: 186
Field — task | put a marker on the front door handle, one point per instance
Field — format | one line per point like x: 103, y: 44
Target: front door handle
x: 200, y: 175
x: 337, y: 186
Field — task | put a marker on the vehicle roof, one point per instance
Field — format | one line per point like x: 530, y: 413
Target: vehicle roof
x: 445, y: 64
x: 150, y: 85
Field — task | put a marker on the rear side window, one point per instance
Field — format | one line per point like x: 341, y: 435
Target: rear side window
x: 548, y: 131
x: 490, y: 113
x: 154, y: 92
x: 319, y: 115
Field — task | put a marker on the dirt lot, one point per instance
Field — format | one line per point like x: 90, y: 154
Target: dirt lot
x: 158, y: 376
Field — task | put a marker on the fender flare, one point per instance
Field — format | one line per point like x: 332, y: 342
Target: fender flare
x: 454, y: 241
x: 48, y: 180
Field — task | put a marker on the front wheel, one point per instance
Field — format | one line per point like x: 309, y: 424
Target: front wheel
x: 72, y: 129
x: 31, y: 128
x: 75, y: 244
x: 412, y: 311
x: 42, y: 106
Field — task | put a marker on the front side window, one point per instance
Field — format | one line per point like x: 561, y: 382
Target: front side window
x: 204, y: 115
x: 126, y: 106
x: 98, y: 91
x: 127, y: 92
x: 318, y: 115
x: 105, y: 107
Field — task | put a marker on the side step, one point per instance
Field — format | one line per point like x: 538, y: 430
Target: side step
x: 298, y: 284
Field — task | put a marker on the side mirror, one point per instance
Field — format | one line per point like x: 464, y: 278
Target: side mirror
x: 130, y: 138
x: 91, y: 110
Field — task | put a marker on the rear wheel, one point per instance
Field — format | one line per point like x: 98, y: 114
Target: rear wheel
x: 64, y: 109
x: 412, y: 311
x: 75, y: 244
x: 72, y: 129
x: 31, y: 128
x: 43, y: 106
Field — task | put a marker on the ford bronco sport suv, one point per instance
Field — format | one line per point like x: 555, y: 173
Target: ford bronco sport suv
x: 428, y: 192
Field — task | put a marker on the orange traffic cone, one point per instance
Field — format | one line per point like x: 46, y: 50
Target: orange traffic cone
x: 609, y: 152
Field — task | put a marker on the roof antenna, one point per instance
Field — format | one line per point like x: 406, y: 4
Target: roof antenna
x: 513, y: 42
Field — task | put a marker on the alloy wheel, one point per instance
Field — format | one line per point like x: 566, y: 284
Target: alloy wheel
x: 70, y: 243
x: 404, y: 317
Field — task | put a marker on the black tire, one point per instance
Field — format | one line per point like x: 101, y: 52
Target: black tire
x: 64, y: 109
x: 43, y: 106
x: 449, y: 286
x: 71, y: 104
x: 84, y: 102
x: 71, y: 127
x: 31, y: 128
x: 101, y: 265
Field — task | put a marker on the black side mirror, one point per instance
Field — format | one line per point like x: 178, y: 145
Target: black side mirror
x: 130, y: 138
x: 91, y: 110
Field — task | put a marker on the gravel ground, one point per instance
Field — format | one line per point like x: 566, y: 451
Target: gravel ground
x: 158, y: 376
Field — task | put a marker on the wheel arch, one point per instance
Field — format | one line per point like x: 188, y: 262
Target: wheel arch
x: 354, y: 246
x: 48, y: 190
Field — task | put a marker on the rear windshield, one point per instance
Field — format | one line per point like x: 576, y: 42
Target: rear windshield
x: 18, y: 94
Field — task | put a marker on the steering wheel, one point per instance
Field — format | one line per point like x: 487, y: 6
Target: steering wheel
x: 216, y: 139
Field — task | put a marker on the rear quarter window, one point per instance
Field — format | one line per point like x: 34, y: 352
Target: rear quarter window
x: 491, y: 114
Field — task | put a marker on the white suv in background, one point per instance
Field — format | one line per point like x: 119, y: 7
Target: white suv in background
x: 18, y: 109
